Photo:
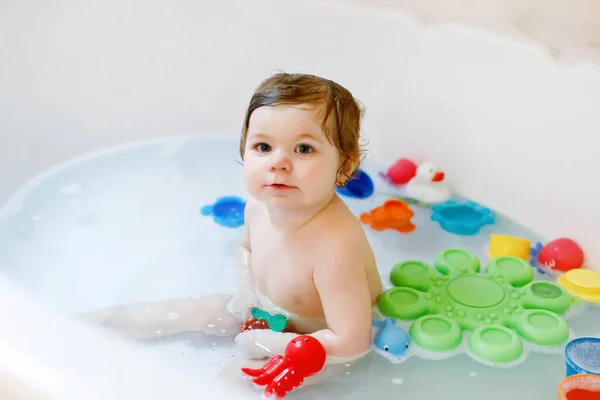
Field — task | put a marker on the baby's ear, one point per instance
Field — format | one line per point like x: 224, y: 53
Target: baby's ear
x: 347, y: 169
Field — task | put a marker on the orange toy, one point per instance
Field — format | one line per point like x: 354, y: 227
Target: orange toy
x: 580, y: 387
x: 393, y: 214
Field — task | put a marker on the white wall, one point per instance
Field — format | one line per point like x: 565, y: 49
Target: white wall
x: 512, y: 129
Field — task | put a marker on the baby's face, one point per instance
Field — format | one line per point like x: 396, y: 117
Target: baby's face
x: 288, y: 161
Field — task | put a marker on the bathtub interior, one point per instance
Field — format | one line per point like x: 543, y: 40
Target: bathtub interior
x: 124, y: 225
x: 497, y: 115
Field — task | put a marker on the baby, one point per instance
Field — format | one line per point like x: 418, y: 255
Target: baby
x: 304, y: 254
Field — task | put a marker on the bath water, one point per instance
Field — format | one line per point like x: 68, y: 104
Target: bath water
x: 124, y: 225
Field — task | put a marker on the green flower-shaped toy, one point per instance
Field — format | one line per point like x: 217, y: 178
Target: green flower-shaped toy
x: 499, y: 307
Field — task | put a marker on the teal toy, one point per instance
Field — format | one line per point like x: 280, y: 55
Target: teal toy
x: 276, y: 322
x: 499, y: 307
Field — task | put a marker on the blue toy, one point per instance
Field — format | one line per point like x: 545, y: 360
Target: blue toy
x: 391, y: 341
x: 227, y: 211
x: 359, y: 186
x: 462, y: 218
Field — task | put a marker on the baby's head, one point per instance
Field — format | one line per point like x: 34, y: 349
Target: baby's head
x: 300, y: 139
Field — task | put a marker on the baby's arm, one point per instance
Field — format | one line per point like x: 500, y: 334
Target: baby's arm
x: 344, y: 290
x: 246, y: 285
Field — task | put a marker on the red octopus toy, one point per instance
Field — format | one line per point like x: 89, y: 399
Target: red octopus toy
x: 304, y: 356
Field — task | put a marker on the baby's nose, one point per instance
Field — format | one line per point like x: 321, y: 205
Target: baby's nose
x: 279, y: 161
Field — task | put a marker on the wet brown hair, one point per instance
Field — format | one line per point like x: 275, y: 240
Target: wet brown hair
x: 341, y: 113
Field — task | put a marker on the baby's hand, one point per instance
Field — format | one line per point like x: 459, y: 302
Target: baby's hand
x: 263, y: 343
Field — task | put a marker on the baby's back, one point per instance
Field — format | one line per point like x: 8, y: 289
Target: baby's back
x: 284, y: 263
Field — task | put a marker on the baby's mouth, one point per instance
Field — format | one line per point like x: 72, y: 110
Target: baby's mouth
x: 280, y: 186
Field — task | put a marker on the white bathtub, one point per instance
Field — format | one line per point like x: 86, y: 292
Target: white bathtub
x: 512, y: 129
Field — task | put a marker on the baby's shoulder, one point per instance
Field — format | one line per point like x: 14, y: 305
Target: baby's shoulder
x: 339, y: 231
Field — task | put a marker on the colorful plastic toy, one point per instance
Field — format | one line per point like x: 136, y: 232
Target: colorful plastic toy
x: 504, y: 245
x: 393, y: 214
x: 582, y: 283
x: 276, y: 322
x: 580, y: 387
x: 466, y: 218
x: 561, y: 255
x: 582, y: 356
x: 401, y: 172
x: 498, y: 307
x: 227, y: 211
x: 391, y: 341
x: 254, y: 323
x: 428, y: 185
x: 360, y: 186
x: 304, y: 356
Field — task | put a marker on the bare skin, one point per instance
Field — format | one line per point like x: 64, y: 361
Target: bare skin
x: 303, y: 249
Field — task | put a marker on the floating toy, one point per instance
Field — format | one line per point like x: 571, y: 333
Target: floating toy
x: 582, y: 356
x: 227, y: 211
x: 428, y: 185
x: 276, y: 322
x: 466, y: 218
x: 560, y: 255
x: 255, y: 323
x: 582, y: 283
x: 580, y: 387
x: 360, y: 186
x: 393, y: 214
x: 401, y: 172
x: 391, y: 341
x: 533, y: 255
x: 499, y: 307
x: 504, y: 245
x: 304, y: 356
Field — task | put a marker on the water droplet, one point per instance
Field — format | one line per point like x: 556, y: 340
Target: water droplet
x: 398, y: 381
x: 214, y: 344
x: 348, y: 372
x: 36, y: 217
x: 211, y: 325
x: 158, y: 332
x: 347, y: 365
x: 472, y: 373
x: 173, y: 315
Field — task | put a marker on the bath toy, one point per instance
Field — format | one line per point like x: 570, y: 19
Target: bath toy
x: 582, y: 356
x: 360, y: 186
x: 227, y: 211
x: 504, y: 245
x: 461, y: 218
x: 391, y: 341
x: 401, y: 172
x: 582, y: 283
x: 561, y: 255
x: 533, y: 255
x: 392, y: 214
x: 428, y: 185
x: 304, y: 356
x: 580, y: 387
x: 276, y: 322
x: 255, y: 323
x: 499, y: 306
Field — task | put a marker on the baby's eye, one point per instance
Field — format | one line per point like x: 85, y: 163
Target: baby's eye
x: 263, y: 147
x: 386, y: 348
x: 304, y: 149
x: 407, y: 345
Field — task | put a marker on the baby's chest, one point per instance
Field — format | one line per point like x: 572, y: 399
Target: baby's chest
x: 286, y: 267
